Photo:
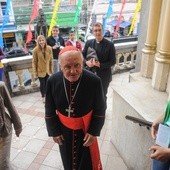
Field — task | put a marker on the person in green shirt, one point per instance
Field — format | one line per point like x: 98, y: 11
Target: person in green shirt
x: 160, y: 155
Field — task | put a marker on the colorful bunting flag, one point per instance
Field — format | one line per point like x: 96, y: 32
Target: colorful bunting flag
x: 33, y: 16
x: 54, y: 16
x: 138, y: 7
x: 109, y: 13
x: 90, y: 20
x: 119, y: 18
x: 78, y: 9
x: 5, y: 21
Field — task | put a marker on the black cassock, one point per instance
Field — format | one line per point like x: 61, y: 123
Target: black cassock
x: 89, y: 96
x: 106, y: 55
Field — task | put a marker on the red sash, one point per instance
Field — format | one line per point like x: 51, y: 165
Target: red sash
x: 83, y: 123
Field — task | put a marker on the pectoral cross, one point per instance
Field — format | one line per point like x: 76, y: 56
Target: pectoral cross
x: 69, y: 110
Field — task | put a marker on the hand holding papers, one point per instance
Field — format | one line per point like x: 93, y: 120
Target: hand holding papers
x: 163, y: 136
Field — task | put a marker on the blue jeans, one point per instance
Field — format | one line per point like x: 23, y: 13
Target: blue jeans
x: 157, y: 165
x: 56, y: 67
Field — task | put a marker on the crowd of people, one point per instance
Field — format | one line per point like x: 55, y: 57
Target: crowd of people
x: 65, y: 85
x: 105, y: 56
x: 73, y: 84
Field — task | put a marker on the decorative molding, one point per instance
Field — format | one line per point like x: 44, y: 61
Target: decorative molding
x: 149, y: 49
x: 163, y: 57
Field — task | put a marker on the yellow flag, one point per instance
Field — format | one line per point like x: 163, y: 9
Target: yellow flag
x: 54, y: 16
x: 138, y: 7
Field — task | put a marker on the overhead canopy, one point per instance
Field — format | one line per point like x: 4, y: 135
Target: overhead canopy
x: 112, y: 23
x: 123, y: 24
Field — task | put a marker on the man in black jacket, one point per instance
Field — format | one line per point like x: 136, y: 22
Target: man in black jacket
x: 75, y: 112
x: 57, y: 43
x: 106, y: 56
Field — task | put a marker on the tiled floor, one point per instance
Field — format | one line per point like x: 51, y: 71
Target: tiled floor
x: 34, y: 150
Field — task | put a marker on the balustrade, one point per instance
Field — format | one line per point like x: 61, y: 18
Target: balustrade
x: 125, y: 60
x: 125, y: 56
x: 21, y: 83
x: 18, y: 66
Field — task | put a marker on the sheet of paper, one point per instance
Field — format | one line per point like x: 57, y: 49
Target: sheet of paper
x: 163, y: 136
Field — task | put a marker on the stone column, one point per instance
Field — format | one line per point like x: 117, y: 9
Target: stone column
x: 162, y: 62
x: 148, y: 53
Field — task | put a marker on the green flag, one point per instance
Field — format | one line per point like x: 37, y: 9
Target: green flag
x: 77, y: 15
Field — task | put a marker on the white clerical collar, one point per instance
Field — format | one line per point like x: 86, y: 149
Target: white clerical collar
x: 98, y: 42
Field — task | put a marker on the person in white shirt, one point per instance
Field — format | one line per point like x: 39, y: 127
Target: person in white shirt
x: 73, y: 42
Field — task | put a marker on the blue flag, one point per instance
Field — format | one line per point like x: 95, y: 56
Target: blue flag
x: 5, y: 21
x: 108, y: 14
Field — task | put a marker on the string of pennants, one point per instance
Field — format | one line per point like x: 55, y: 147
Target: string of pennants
x: 110, y: 11
x: 54, y: 18
x: 36, y: 5
x: 55, y: 15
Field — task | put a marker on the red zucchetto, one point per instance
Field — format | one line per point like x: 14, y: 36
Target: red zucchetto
x: 68, y: 48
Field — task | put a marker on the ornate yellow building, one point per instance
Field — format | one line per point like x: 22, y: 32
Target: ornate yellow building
x: 156, y: 54
x: 147, y: 93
